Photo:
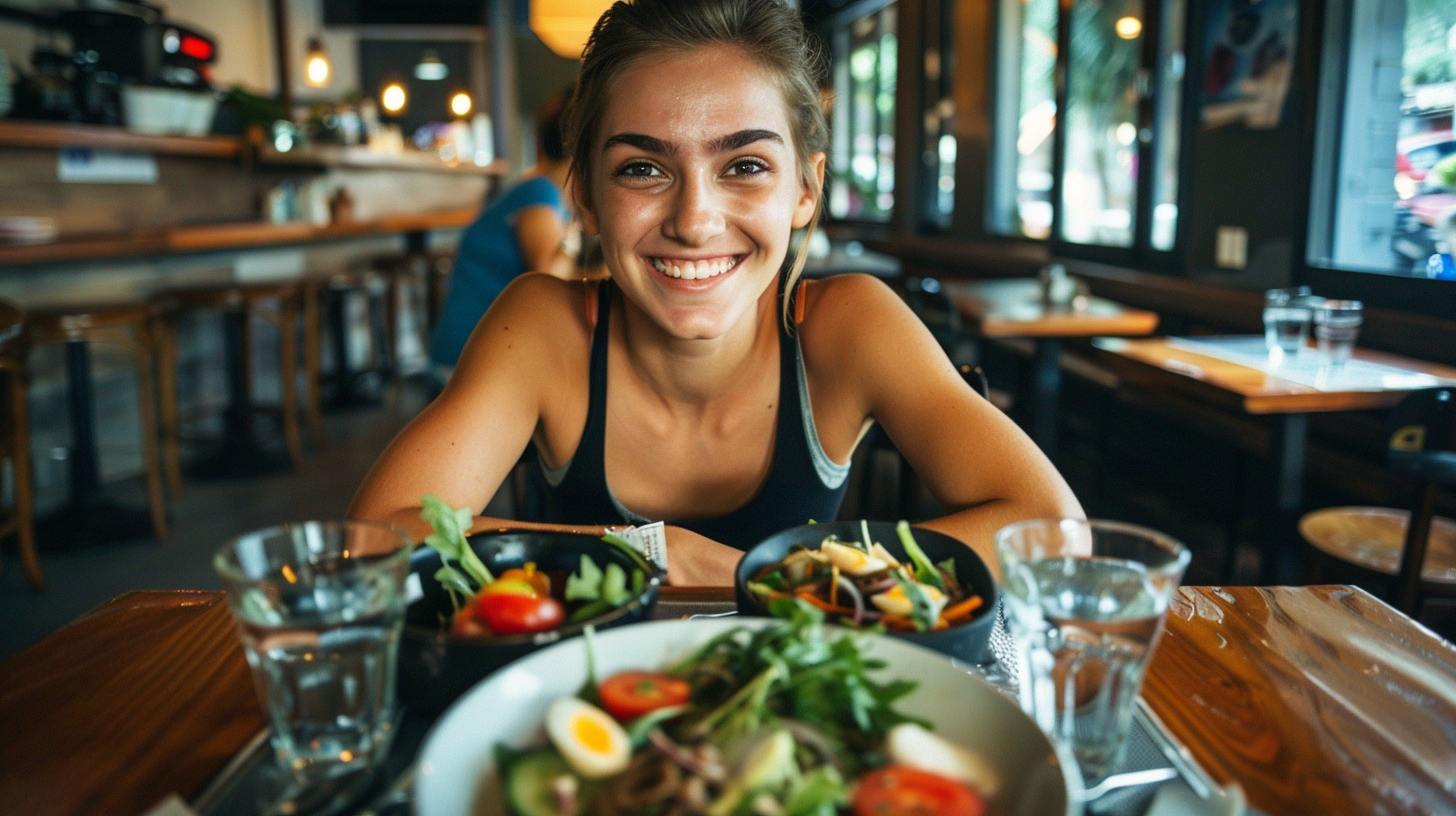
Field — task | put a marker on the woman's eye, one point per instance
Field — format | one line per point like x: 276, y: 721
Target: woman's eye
x: 747, y: 167
x: 637, y: 170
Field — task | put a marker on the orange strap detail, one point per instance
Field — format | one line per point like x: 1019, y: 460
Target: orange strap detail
x: 591, y: 304
x: 799, y: 302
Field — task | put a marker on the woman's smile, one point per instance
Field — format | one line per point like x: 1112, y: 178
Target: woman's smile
x: 695, y: 269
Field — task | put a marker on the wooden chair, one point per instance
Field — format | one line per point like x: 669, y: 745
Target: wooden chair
x: 133, y: 327
x: 1415, y: 546
x: 238, y: 303
x: 15, y: 439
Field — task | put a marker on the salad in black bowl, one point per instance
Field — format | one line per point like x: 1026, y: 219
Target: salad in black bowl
x: 919, y: 585
x: 487, y: 599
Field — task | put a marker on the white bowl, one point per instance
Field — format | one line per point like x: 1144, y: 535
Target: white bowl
x: 456, y: 775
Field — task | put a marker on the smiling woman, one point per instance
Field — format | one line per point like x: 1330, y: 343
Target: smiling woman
x: 680, y: 390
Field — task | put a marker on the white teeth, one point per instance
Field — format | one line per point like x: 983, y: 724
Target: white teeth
x: 693, y: 270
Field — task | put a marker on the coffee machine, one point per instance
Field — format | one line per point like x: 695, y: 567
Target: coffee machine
x: 113, y: 43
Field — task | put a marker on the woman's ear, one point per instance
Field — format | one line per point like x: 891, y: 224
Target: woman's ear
x: 810, y: 194
x: 583, y: 206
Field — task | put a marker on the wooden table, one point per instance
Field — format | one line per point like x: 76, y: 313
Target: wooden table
x: 1314, y: 699
x: 1013, y: 308
x: 1235, y: 373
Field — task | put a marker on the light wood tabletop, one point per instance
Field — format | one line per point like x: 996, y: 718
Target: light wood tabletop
x: 1013, y: 307
x: 1237, y: 373
x: 1314, y: 699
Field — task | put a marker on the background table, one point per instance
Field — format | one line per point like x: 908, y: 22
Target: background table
x: 1013, y: 308
x: 1314, y: 699
x: 1222, y: 371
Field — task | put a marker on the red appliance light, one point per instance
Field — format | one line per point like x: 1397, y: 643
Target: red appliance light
x: 196, y: 47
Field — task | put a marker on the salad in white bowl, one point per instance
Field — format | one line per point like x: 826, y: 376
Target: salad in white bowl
x: 723, y: 718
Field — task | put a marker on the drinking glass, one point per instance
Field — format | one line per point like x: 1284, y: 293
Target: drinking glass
x: 1336, y: 325
x: 1287, y: 314
x: 1085, y: 603
x: 320, y: 606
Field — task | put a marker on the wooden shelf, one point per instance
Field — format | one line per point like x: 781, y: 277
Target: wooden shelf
x: 19, y: 133
x: 366, y: 159
x: 218, y: 237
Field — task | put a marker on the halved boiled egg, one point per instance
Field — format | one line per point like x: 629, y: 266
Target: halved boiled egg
x: 590, y: 741
x: 850, y: 560
x: 910, y: 744
x: 896, y: 602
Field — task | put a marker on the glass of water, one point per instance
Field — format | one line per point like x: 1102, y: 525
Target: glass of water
x: 1336, y: 326
x: 1085, y: 603
x: 320, y: 606
x: 1287, y: 314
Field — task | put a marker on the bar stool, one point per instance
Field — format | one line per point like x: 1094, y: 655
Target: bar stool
x: 351, y: 388
x: 15, y: 441
x: 89, y: 517
x: 429, y: 272
x: 240, y: 451
x: 1413, y: 546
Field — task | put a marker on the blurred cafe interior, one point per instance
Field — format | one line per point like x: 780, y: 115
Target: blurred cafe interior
x: 1199, y: 251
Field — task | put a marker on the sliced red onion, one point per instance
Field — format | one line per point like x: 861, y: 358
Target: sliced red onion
x: 848, y: 586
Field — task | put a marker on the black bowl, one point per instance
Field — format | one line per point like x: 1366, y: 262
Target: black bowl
x: 435, y: 667
x: 970, y: 641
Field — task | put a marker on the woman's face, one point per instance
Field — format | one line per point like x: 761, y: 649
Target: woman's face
x: 696, y: 187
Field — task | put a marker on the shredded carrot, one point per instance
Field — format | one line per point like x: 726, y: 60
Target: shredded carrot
x: 827, y: 607
x: 899, y: 623
x: 962, y: 609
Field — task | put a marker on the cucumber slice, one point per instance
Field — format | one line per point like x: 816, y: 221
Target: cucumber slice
x: 528, y: 783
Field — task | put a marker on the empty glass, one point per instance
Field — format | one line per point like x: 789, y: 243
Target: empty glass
x: 1085, y: 603
x: 1336, y: 326
x: 1287, y: 314
x: 320, y: 606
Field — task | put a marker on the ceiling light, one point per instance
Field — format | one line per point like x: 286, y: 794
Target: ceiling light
x: 1128, y: 27
x: 392, y: 98
x: 565, y: 25
x: 316, y: 67
x: 430, y: 68
x: 460, y: 104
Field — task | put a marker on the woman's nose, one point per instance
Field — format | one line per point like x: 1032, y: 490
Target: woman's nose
x: 697, y: 213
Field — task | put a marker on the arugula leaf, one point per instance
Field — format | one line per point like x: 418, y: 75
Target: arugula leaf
x: 924, y: 610
x: 586, y: 583
x: 925, y: 571
x: 449, y: 540
x: 821, y: 792
x: 949, y: 568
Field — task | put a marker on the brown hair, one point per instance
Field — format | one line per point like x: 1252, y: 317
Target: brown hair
x: 768, y: 31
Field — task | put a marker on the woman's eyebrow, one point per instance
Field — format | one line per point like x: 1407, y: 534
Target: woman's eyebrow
x: 722, y: 144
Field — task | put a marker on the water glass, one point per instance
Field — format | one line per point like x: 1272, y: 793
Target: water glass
x: 1336, y: 326
x: 1085, y: 603
x: 1287, y: 314
x: 320, y: 606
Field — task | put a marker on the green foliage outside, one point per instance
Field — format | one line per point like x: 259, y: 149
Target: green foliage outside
x: 1429, y: 57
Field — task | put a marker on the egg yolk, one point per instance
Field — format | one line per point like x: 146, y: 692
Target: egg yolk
x: 592, y: 735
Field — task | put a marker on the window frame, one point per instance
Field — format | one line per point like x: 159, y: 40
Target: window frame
x: 1330, y: 31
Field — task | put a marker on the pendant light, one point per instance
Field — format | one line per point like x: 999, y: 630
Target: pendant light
x: 430, y: 68
x: 316, y: 66
x: 460, y: 104
x: 565, y: 25
x: 393, y: 98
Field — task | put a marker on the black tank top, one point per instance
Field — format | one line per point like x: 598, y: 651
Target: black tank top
x: 803, y: 483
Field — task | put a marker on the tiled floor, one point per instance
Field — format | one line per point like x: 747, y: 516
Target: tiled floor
x: 204, y: 517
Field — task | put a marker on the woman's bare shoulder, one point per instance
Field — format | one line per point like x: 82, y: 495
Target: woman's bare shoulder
x: 844, y: 312
x: 537, y: 321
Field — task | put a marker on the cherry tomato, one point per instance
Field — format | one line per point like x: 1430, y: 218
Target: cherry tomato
x: 540, y: 581
x: 508, y: 586
x: 899, y: 790
x: 466, y: 624
x: 631, y: 694
x: 510, y: 614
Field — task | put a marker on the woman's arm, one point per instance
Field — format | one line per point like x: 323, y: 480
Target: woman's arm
x: 462, y: 446
x: 539, y: 234
x: 880, y: 360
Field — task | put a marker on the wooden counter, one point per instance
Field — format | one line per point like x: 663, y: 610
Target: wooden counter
x: 20, y: 133
x: 216, y: 237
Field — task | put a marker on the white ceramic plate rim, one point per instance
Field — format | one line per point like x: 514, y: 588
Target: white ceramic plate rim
x: 455, y: 773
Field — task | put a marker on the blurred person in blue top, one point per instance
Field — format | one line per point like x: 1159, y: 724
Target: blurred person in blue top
x: 524, y: 230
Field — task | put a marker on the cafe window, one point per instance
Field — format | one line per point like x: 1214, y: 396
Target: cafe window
x: 862, y: 185
x: 1385, y: 181
x: 1105, y: 173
